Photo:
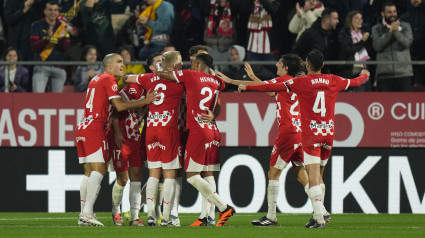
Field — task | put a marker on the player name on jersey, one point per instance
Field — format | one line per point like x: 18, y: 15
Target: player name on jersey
x: 319, y: 80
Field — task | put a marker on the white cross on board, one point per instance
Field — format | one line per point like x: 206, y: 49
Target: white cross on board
x: 56, y: 182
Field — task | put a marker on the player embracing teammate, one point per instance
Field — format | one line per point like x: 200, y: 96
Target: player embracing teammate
x: 317, y: 94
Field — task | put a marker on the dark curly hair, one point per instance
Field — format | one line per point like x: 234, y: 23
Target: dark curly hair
x: 295, y: 64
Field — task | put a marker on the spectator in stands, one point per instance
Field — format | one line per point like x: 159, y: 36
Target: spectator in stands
x: 85, y: 73
x: 69, y: 13
x: 157, y: 23
x: 128, y: 34
x: 219, y: 34
x: 263, y: 45
x: 49, y: 42
x: 353, y: 42
x: 19, y: 15
x: 17, y: 75
x: 305, y: 16
x: 127, y: 54
x: 96, y: 17
x: 236, y: 54
x: 415, y: 16
x: 320, y: 36
x: 392, y: 39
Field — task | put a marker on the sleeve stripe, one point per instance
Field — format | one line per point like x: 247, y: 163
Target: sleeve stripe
x: 175, y: 76
x: 348, y: 84
x: 138, y: 78
x: 114, y: 96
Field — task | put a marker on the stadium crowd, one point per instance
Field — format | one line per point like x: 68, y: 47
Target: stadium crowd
x: 233, y: 30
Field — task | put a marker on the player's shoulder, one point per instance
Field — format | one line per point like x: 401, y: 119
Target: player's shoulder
x: 281, y: 79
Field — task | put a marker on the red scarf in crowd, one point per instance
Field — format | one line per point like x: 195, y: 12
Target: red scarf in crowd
x: 225, y: 26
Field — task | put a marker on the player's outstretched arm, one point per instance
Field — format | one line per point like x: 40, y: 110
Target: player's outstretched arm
x: 267, y: 87
x: 357, y: 82
x: 132, y: 78
x: 166, y: 75
x: 122, y: 105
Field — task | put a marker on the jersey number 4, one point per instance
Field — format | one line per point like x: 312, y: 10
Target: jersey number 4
x: 319, y: 104
x: 89, y: 103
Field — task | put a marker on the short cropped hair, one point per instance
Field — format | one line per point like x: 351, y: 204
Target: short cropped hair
x: 327, y: 12
x: 206, y: 59
x: 194, y: 49
x: 109, y: 59
x: 387, y: 4
x: 315, y: 58
x: 169, y: 58
x: 150, y: 59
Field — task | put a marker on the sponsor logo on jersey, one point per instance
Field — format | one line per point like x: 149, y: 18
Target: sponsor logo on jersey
x: 132, y: 91
x: 211, y: 144
x: 80, y: 138
x: 156, y: 144
x: 323, y: 145
x: 115, y: 87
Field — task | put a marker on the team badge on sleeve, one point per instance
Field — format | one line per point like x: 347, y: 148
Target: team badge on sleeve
x: 115, y: 88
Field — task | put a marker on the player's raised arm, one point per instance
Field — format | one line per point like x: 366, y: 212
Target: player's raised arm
x: 234, y: 82
x: 122, y: 105
x: 251, y: 74
x: 132, y: 78
x: 357, y: 82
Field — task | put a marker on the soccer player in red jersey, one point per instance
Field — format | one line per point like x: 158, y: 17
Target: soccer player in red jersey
x: 287, y: 147
x: 126, y: 152
x: 202, y: 149
x: 92, y: 146
x: 163, y: 135
x: 317, y: 95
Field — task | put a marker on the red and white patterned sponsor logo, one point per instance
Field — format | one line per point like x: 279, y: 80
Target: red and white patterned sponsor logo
x: 157, y: 119
x: 211, y: 144
x: 322, y: 128
x: 132, y: 91
x: 212, y: 125
x: 297, y: 124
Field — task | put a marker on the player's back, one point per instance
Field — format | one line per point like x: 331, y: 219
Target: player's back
x: 202, y: 92
x: 166, y: 108
x: 287, y: 107
x: 98, y: 107
x: 317, y: 95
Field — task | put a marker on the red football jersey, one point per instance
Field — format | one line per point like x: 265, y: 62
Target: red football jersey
x: 317, y: 96
x: 287, y: 108
x: 165, y: 111
x: 203, y: 91
x: 130, y: 120
x: 98, y: 107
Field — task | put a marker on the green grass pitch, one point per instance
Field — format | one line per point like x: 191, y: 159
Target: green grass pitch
x: 45, y: 225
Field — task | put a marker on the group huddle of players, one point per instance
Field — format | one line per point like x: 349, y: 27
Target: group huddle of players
x: 168, y: 118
